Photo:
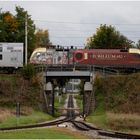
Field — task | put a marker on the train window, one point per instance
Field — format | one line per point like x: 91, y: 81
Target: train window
x: 0, y: 49
x: 0, y: 56
x: 13, y: 59
x: 10, y: 48
x: 38, y: 53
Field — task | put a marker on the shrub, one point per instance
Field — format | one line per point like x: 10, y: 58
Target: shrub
x: 28, y: 72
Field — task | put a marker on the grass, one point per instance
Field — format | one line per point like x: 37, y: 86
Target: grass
x: 60, y: 101
x: 8, y: 78
x: 44, y: 133
x: 11, y: 79
x: 114, y: 121
x: 35, y: 117
x: 99, y: 116
x: 79, y: 101
x: 123, y: 121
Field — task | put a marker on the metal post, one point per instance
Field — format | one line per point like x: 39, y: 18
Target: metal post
x: 26, y: 39
x: 18, y: 109
x: 17, y: 113
x: 0, y: 14
x: 53, y: 96
x: 68, y: 56
x: 83, y: 103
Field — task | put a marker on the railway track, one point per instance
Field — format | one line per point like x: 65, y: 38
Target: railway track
x: 56, y: 122
x: 113, y: 134
x: 86, y: 127
x: 70, y: 117
x: 70, y: 112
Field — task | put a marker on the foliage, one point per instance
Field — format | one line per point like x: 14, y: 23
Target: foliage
x: 8, y: 27
x: 121, y: 93
x: 123, y: 121
x: 79, y: 101
x: 60, y: 83
x: 12, y: 28
x: 42, y: 38
x: 33, y: 117
x: 19, y: 90
x: 114, y: 110
x: 107, y: 37
x: 81, y: 87
x: 28, y: 71
x: 138, y: 44
x: 98, y: 117
x: 20, y: 17
x: 60, y: 100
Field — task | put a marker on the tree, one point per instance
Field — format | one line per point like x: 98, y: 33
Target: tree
x: 12, y: 28
x: 42, y: 38
x: 20, y: 17
x: 8, y: 27
x: 138, y: 44
x: 107, y: 37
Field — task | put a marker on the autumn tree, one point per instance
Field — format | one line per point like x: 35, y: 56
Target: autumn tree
x: 8, y: 27
x: 107, y: 37
x: 12, y: 28
x: 42, y: 38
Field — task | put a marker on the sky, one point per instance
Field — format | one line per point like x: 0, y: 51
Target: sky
x: 70, y: 23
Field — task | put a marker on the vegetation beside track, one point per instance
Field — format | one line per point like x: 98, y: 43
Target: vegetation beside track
x: 15, y: 89
x: 79, y: 101
x: 43, y: 133
x: 60, y: 100
x: 8, y: 117
x: 59, y: 103
x: 117, y: 103
x: 24, y: 88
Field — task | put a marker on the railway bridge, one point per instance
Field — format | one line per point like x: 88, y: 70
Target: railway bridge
x: 73, y: 71
x: 63, y: 72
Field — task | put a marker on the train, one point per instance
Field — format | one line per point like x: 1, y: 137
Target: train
x: 98, y: 57
x: 11, y: 56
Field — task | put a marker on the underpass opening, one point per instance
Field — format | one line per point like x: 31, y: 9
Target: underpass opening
x: 62, y: 77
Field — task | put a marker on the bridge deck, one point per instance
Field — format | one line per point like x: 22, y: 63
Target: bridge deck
x: 77, y: 67
x: 68, y: 74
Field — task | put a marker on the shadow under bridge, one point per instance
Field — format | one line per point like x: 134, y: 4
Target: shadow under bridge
x: 86, y: 75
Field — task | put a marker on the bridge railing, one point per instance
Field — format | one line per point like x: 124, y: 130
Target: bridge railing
x: 92, y: 68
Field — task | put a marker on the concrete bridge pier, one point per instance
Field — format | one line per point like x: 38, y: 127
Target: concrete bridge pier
x: 88, y: 99
x: 49, y: 97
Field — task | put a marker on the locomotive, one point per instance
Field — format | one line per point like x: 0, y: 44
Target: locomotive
x: 100, y: 57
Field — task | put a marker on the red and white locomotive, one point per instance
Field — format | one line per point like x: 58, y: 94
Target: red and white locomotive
x: 100, y: 57
x: 107, y: 57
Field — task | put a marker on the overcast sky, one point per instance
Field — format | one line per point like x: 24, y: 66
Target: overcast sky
x: 71, y: 23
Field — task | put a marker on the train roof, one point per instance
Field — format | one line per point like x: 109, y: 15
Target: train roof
x: 100, y: 50
x: 134, y: 50
x: 40, y: 50
x: 130, y: 50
